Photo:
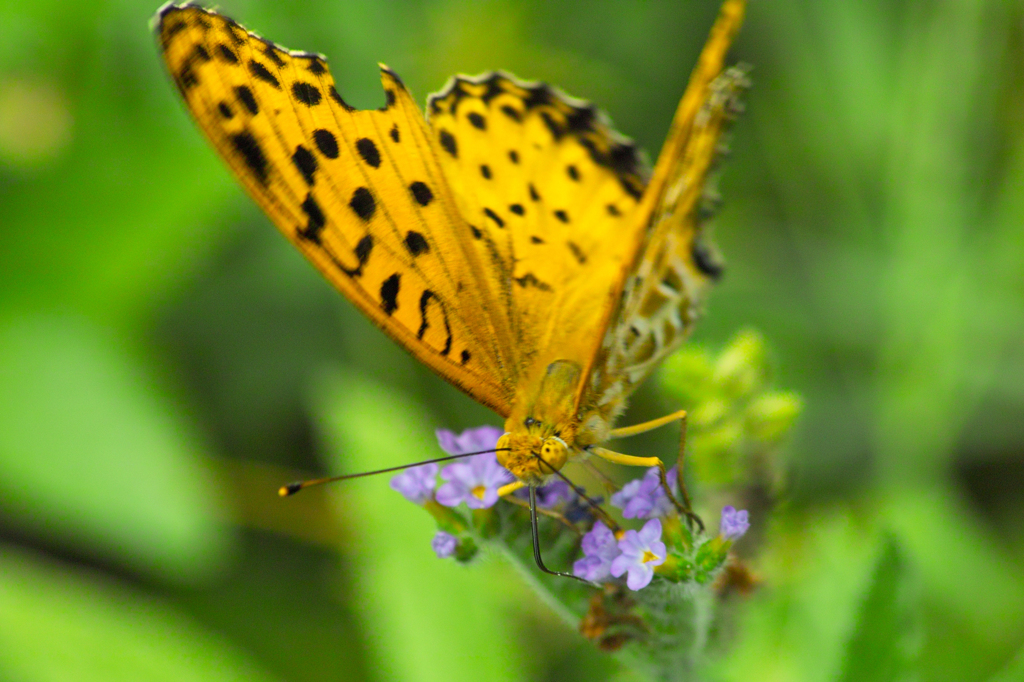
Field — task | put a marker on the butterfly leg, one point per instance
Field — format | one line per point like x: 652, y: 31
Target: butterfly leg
x: 683, y: 507
x: 509, y: 488
x: 548, y: 513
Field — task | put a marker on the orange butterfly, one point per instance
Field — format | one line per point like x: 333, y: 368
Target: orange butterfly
x: 511, y: 241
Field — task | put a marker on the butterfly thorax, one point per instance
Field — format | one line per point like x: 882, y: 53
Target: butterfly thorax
x: 544, y: 429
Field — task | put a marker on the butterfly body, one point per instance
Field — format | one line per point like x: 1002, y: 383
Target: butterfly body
x: 510, y: 240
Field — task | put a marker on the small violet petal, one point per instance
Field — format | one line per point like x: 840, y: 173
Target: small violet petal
x: 734, y: 523
x: 416, y: 483
x: 444, y: 544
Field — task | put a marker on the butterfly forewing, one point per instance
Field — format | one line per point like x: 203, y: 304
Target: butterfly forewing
x: 361, y: 193
x: 548, y: 189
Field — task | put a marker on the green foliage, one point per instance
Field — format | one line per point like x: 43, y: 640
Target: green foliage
x: 162, y: 351
x: 885, y: 641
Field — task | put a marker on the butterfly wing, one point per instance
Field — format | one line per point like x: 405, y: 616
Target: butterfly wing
x: 660, y: 291
x: 360, y: 193
x: 548, y: 188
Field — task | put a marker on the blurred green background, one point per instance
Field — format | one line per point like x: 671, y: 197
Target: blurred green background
x: 167, y: 360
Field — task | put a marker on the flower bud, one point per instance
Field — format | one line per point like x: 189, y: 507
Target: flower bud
x: 771, y: 416
x: 742, y: 368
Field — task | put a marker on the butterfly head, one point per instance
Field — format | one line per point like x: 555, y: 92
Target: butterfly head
x: 531, y: 455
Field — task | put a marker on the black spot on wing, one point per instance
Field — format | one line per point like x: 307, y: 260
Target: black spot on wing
x: 252, y: 154
x: 426, y: 299
x: 270, y: 50
x: 517, y: 209
x: 477, y: 234
x: 394, y: 133
x: 174, y: 29
x: 362, y: 252
x: 415, y: 243
x: 389, y: 293
x: 513, y: 156
x: 368, y: 150
x: 477, y: 120
x: 389, y: 99
x: 421, y: 193
x: 448, y: 143
x: 225, y: 110
x: 226, y: 54
x: 574, y: 174
x: 247, y: 99
x: 485, y: 171
x: 200, y: 54
x: 613, y: 210
x: 631, y: 188
x: 512, y: 113
x: 326, y: 143
x: 464, y: 357
x: 562, y: 216
x: 536, y: 240
x: 530, y: 280
x: 315, y: 220
x: 363, y: 203
x: 305, y: 162
x: 238, y: 35
x: 307, y: 93
x: 705, y: 261
x: 495, y: 217
x: 316, y: 66
x: 533, y: 192
x: 577, y: 252
x: 186, y: 77
x: 556, y: 130
x: 263, y: 73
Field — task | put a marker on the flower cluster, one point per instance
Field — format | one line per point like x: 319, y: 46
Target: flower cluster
x: 635, y: 554
x: 645, y: 498
x: 639, y: 553
x: 661, y: 582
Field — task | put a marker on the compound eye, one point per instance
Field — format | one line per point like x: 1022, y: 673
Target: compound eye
x: 554, y: 452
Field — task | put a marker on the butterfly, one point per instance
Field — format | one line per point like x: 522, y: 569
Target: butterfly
x: 510, y: 240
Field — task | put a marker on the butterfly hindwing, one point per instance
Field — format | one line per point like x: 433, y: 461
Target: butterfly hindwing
x: 360, y: 193
x: 665, y: 282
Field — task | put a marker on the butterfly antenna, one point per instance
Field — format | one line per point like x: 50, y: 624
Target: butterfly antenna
x: 292, y: 488
x: 536, y: 542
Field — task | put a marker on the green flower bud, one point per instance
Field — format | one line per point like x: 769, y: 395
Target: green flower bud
x: 687, y: 371
x: 771, y: 416
x: 742, y: 368
x: 716, y: 453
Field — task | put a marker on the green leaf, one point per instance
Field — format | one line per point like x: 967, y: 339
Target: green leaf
x: 884, y: 644
x: 1014, y: 670
x: 92, y: 459
x: 428, y: 619
x: 59, y: 624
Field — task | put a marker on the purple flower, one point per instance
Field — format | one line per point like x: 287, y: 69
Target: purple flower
x: 471, y: 440
x: 416, y: 483
x: 644, y: 498
x: 550, y: 494
x: 474, y: 481
x: 599, y: 549
x: 641, y: 552
x: 444, y: 544
x: 734, y: 523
